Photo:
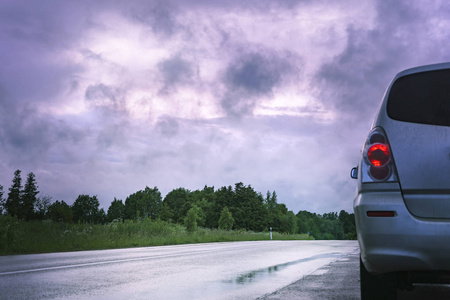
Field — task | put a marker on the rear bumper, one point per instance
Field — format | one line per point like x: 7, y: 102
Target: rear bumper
x: 402, y: 242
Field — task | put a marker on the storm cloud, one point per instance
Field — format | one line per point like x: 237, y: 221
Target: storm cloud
x: 252, y: 78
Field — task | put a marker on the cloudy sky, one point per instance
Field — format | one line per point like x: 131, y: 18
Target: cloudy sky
x: 107, y: 97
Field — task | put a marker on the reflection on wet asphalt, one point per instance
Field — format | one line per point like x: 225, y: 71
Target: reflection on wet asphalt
x: 262, y: 274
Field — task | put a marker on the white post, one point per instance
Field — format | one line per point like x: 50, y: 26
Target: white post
x: 270, y: 233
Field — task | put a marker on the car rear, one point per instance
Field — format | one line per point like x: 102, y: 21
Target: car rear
x: 402, y: 207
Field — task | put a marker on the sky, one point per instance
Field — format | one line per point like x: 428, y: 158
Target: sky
x: 107, y: 97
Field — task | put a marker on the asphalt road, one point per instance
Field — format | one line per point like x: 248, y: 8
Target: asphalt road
x: 239, y: 270
x: 336, y: 280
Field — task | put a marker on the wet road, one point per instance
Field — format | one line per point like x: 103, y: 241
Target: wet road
x: 239, y: 270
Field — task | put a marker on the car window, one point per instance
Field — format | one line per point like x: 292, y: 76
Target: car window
x: 421, y: 98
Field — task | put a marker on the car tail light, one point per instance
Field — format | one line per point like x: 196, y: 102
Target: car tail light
x: 378, y: 164
x: 378, y: 155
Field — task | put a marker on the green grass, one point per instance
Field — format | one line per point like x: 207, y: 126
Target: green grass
x: 18, y: 237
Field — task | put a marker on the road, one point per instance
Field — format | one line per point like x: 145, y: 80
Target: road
x: 238, y: 270
x: 336, y: 280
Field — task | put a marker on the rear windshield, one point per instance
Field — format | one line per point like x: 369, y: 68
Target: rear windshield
x: 421, y: 98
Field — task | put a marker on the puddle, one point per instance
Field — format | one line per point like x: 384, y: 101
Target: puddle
x: 263, y: 274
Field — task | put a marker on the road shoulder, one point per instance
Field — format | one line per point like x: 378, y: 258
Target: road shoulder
x: 337, y: 280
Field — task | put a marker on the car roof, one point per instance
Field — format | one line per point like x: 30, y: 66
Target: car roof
x: 425, y: 68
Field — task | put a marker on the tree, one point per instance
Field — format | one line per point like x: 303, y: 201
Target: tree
x: 205, y: 199
x: 348, y: 222
x: 29, y: 198
x: 308, y: 222
x: 191, y: 219
x: 144, y: 203
x: 2, y: 201
x: 116, y: 210
x: 101, y: 216
x: 245, y: 204
x: 330, y: 216
x: 165, y: 213
x: 273, y: 217
x: 331, y: 229
x: 42, y: 206
x: 13, y: 202
x: 224, y: 196
x: 288, y: 223
x: 226, y: 220
x: 279, y: 218
x: 249, y: 211
x: 85, y: 209
x: 177, y: 203
x: 60, y: 212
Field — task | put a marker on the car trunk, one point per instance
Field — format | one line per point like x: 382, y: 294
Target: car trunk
x: 419, y: 135
x: 422, y: 159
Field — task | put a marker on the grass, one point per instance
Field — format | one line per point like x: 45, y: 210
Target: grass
x: 18, y: 237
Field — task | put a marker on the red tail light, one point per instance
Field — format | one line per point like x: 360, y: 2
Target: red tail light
x: 378, y: 164
x: 378, y: 155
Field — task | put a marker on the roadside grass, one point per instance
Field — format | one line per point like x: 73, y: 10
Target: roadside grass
x: 19, y: 237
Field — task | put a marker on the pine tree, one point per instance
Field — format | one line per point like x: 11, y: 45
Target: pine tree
x: 13, y: 201
x: 2, y: 201
x: 29, y: 198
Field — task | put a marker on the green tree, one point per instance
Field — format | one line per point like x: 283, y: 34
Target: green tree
x: 348, y: 222
x: 273, y: 214
x: 101, y: 216
x: 226, y: 220
x: 245, y: 204
x: 224, y: 196
x: 2, y: 201
x: 248, y: 208
x: 86, y: 209
x: 42, y: 206
x: 60, y: 212
x: 190, y: 221
x: 205, y: 199
x: 143, y: 203
x: 279, y: 218
x: 207, y: 204
x: 330, y: 216
x: 13, y: 202
x: 29, y: 197
x: 331, y: 229
x: 116, y: 210
x: 308, y: 222
x: 177, y: 204
x: 288, y: 223
x: 165, y: 213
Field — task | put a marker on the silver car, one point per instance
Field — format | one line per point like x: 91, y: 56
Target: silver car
x: 402, y: 206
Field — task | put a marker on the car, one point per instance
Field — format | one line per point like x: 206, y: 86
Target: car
x: 402, y: 204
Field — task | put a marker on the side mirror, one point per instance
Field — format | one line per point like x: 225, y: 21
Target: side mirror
x: 354, y: 173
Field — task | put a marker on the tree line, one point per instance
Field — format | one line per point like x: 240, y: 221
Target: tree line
x: 239, y: 207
